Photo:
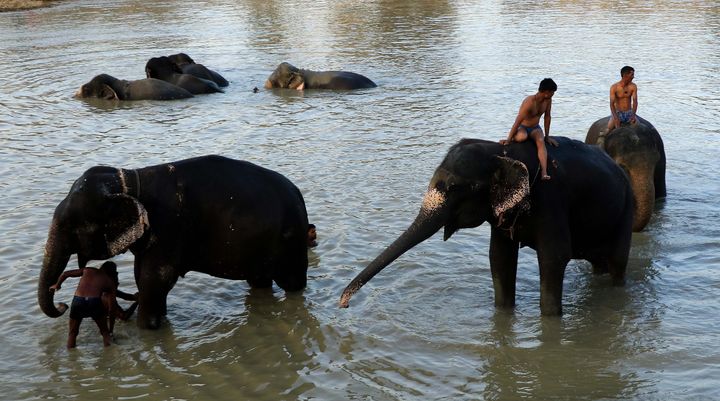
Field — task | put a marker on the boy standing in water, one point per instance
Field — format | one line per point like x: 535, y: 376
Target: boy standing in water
x: 527, y: 122
x: 95, y: 297
x: 623, y: 100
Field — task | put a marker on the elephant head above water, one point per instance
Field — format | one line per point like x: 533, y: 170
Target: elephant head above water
x: 585, y: 212
x: 227, y: 218
x: 288, y: 76
x: 639, y: 150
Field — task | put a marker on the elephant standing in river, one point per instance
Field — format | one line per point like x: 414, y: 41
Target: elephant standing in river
x: 584, y: 212
x: 288, y: 76
x: 639, y: 150
x: 227, y: 218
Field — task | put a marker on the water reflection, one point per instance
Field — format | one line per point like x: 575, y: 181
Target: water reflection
x: 427, y: 329
x: 262, y: 351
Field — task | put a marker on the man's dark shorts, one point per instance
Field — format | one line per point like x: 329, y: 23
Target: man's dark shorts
x: 83, y: 307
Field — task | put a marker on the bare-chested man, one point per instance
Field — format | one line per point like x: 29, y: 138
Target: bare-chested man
x: 527, y: 122
x: 623, y: 100
x: 95, y: 297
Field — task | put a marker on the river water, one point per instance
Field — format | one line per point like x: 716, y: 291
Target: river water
x: 425, y: 328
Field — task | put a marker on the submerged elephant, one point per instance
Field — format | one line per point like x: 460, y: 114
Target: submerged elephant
x: 189, y: 66
x: 107, y: 87
x: 584, y: 212
x: 640, y: 151
x: 289, y: 76
x: 227, y: 218
x: 164, y: 69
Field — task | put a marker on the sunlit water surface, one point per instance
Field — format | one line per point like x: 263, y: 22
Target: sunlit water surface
x: 425, y: 328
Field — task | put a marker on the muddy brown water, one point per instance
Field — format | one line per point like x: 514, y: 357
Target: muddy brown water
x: 425, y: 328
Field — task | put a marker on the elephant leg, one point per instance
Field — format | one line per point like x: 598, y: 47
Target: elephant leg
x: 154, y: 282
x: 259, y: 282
x: 600, y: 266
x: 659, y: 178
x: 503, y: 265
x: 618, y: 258
x: 291, y: 274
x: 554, y: 253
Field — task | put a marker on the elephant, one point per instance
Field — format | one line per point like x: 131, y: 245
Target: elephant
x: 107, y: 87
x: 164, y: 69
x: 584, y: 212
x: 227, y: 218
x: 289, y: 76
x: 639, y: 150
x: 189, y: 66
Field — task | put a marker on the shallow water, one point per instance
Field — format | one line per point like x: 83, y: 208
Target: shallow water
x: 425, y: 328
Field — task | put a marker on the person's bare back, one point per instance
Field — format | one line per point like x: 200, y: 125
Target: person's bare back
x: 93, y: 283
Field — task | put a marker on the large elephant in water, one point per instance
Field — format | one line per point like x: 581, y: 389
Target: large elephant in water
x: 287, y: 75
x: 584, y: 212
x: 639, y: 150
x: 107, y: 87
x: 227, y: 218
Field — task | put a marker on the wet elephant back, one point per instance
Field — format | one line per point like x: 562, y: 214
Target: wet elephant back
x: 154, y: 89
x: 337, y: 80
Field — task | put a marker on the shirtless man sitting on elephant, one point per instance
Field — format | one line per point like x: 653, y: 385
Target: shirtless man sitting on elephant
x: 527, y: 122
x: 623, y: 100
x: 95, y: 297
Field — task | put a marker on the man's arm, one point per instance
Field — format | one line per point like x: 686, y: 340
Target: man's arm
x: 64, y: 276
x: 634, y: 101
x: 124, y: 295
x: 547, y: 118
x: 613, y: 113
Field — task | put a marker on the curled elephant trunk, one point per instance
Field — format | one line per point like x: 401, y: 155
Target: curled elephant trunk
x: 427, y: 223
x: 54, y: 262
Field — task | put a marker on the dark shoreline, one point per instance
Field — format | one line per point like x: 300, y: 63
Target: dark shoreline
x: 19, y: 5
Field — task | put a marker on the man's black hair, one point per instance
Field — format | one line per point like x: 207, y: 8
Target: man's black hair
x: 626, y: 70
x: 546, y: 85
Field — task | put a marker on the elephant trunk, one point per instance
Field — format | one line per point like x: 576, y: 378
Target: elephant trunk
x: 54, y: 262
x: 427, y: 223
x: 644, y: 192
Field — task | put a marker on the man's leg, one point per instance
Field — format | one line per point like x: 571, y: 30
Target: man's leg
x: 539, y: 138
x: 520, y: 135
x: 110, y: 305
x: 611, y: 125
x: 73, y: 330
x: 101, y: 322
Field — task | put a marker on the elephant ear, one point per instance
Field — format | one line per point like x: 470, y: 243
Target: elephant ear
x: 509, y: 189
x: 296, y: 81
x: 127, y: 222
x: 107, y: 93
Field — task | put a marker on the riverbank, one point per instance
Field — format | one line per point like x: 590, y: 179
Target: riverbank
x: 15, y: 5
